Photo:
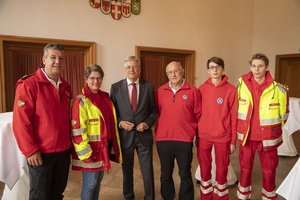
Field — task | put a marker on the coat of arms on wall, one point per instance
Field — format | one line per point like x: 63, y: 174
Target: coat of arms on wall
x: 117, y: 8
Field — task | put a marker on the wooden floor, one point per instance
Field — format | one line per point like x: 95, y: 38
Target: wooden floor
x: 111, y: 187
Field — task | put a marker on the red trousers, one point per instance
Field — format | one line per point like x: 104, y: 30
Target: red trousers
x: 208, y: 189
x: 268, y: 163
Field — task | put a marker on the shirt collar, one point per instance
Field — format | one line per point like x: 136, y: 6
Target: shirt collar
x: 56, y: 85
x: 130, y: 82
x: 175, y: 90
x: 178, y: 87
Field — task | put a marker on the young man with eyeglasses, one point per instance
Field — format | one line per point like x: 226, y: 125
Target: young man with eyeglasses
x: 262, y: 111
x: 216, y: 128
x: 179, y: 111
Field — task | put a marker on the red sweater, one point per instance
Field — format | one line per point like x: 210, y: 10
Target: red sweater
x: 218, y: 120
x: 178, y: 113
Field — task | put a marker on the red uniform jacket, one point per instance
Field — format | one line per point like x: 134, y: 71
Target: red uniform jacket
x: 41, y: 116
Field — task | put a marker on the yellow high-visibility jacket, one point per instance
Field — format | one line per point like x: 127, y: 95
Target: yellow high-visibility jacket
x: 273, y: 112
x: 89, y: 136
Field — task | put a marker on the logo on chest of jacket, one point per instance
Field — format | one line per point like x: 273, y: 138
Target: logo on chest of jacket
x: 242, y: 101
x: 184, y: 97
x: 274, y: 106
x: 220, y: 100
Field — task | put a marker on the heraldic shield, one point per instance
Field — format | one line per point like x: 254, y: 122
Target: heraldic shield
x: 105, y: 6
x: 95, y: 3
x: 135, y: 7
x: 126, y: 8
x: 116, y: 12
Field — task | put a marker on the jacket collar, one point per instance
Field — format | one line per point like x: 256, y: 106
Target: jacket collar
x: 40, y: 77
x: 247, y: 78
x: 223, y: 81
x: 185, y: 86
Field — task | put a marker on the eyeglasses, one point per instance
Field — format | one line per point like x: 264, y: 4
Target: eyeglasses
x: 218, y: 67
x: 134, y: 67
x: 176, y: 71
x: 95, y: 79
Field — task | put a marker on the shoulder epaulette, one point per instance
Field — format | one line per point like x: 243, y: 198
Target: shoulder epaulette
x: 283, y: 88
x: 79, y: 99
x: 25, y: 76
x: 80, y: 96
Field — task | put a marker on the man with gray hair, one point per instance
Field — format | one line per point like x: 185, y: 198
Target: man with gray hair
x: 134, y: 100
x: 41, y: 124
x: 178, y: 105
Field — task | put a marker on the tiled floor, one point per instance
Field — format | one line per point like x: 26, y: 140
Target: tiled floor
x: 111, y: 187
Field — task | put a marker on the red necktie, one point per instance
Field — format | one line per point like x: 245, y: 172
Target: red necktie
x: 133, y: 97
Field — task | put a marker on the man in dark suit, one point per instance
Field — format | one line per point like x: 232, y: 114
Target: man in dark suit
x: 134, y: 100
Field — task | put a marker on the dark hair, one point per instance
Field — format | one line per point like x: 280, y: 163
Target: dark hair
x: 56, y: 46
x: 260, y: 56
x: 93, y: 68
x: 217, y: 60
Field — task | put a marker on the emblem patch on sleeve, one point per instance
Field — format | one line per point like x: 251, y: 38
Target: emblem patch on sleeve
x: 73, y: 122
x: 21, y: 103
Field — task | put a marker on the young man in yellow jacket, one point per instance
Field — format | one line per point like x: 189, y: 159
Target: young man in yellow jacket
x: 262, y: 111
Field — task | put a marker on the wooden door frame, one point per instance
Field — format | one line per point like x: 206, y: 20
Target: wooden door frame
x: 189, y: 64
x: 279, y: 58
x: 89, y: 55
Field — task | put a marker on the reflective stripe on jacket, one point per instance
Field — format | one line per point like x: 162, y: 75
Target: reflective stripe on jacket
x: 273, y: 113
x: 89, y: 136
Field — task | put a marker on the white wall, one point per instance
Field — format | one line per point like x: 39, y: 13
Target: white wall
x: 231, y: 29
x: 276, y: 28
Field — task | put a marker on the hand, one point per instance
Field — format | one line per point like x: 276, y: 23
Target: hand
x: 126, y: 125
x: 35, y: 159
x: 232, y: 148
x: 142, y: 126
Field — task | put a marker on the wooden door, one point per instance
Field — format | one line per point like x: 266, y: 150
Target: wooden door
x: 288, y: 73
x: 20, y: 56
x: 155, y: 60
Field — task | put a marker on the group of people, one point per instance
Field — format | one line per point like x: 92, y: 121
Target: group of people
x: 96, y: 127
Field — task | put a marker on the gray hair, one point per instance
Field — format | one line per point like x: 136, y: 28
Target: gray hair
x: 56, y: 46
x: 133, y: 58
x: 93, y: 68
x: 175, y: 62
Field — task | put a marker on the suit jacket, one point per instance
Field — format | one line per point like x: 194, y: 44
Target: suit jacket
x: 146, y: 110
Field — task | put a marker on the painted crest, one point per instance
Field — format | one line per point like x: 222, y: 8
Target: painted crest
x: 126, y: 8
x: 116, y: 10
x: 105, y: 6
x: 95, y: 3
x: 135, y: 7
